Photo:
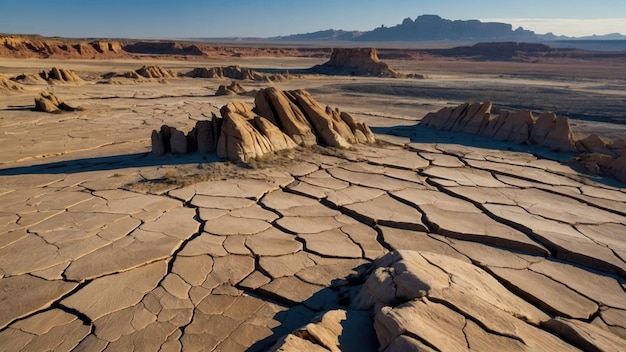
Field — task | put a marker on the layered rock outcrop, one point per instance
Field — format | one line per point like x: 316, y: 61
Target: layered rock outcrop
x: 7, y: 86
x: 233, y: 88
x: 357, y: 62
x: 547, y: 131
x: 48, y: 102
x: 28, y: 47
x: 236, y: 72
x: 154, y: 71
x: 60, y: 75
x: 280, y: 120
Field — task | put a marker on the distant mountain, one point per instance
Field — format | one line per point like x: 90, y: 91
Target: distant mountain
x: 435, y: 28
x: 329, y: 34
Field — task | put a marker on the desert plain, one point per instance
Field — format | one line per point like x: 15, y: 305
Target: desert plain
x: 425, y: 240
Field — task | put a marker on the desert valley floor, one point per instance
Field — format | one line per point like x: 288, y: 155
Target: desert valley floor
x: 426, y: 240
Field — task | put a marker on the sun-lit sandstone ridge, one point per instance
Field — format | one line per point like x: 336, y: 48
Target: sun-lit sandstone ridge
x: 547, y: 131
x: 280, y: 120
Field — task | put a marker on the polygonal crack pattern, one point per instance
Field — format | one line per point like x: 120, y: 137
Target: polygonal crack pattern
x: 484, y: 249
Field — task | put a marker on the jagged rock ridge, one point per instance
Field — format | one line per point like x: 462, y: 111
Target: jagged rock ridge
x: 236, y: 72
x: 548, y: 131
x: 280, y: 120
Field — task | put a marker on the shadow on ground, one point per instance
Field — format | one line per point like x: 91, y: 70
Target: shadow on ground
x: 112, y: 162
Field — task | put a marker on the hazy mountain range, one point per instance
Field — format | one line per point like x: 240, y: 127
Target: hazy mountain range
x: 435, y: 28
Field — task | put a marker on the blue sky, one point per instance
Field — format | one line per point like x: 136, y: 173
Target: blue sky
x: 253, y: 18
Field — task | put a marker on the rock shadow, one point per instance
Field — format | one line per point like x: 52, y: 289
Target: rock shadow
x: 113, y: 162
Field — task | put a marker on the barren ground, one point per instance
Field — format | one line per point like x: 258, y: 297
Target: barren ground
x: 104, y: 247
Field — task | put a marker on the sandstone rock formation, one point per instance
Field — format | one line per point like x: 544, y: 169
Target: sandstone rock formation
x: 233, y: 89
x: 56, y: 75
x: 281, y: 120
x: 155, y: 71
x: 8, y: 86
x: 37, y: 47
x: 48, y: 102
x: 356, y: 62
x: 236, y: 72
x: 600, y: 158
x: 547, y: 131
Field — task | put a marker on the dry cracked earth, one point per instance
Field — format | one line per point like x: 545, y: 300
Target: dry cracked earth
x: 427, y: 241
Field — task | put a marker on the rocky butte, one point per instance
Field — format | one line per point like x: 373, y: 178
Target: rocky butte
x: 357, y: 62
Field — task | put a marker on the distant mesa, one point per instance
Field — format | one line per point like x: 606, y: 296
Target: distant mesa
x: 280, y: 120
x: 357, y: 62
x: 163, y: 48
x: 236, y: 72
x: 34, y: 46
x: 48, y: 102
x: 547, y: 131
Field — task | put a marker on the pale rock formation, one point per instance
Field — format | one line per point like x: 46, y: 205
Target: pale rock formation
x: 553, y: 132
x: 281, y: 120
x: 233, y: 89
x: 278, y: 139
x: 355, y: 62
x: 60, y: 75
x: 510, y: 126
x: 274, y: 105
x: 48, y: 102
x: 8, y: 86
x: 155, y: 71
x: 233, y: 72
x: 239, y: 140
x: 326, y: 128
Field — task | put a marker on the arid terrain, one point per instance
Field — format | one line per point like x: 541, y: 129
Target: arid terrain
x: 423, y: 240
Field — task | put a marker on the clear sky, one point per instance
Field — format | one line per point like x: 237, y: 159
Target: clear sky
x: 258, y: 18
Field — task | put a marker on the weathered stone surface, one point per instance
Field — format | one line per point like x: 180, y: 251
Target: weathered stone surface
x: 384, y: 210
x: 273, y: 242
x: 400, y: 239
x: 332, y: 243
x: 469, y: 222
x: 228, y: 225
x: 335, y: 330
x: 155, y: 71
x: 112, y: 293
x: 589, y: 337
x: 286, y: 115
x: 546, y: 293
x: 25, y: 294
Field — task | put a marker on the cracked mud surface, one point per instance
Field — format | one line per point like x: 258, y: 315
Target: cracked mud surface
x: 478, y: 247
